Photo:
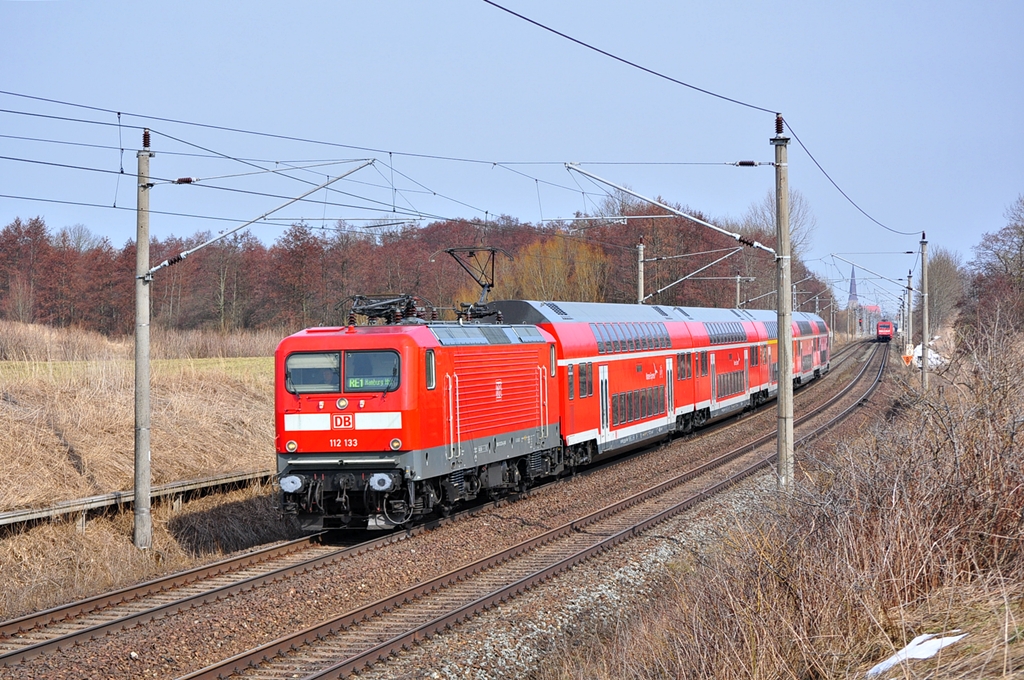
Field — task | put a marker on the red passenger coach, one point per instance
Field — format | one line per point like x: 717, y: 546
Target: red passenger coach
x: 884, y: 331
x: 381, y: 425
x: 656, y: 370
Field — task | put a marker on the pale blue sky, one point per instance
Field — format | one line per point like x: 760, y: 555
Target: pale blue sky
x: 914, y: 108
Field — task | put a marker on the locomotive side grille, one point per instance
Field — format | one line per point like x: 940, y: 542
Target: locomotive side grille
x: 497, y: 391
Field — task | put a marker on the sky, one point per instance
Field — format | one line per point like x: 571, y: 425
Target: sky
x: 912, y: 108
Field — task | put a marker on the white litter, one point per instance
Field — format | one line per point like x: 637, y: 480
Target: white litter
x: 921, y: 647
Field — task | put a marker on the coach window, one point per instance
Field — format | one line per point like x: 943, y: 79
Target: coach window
x: 311, y: 372
x: 552, y: 360
x: 703, y: 363
x: 372, y: 371
x: 590, y: 379
x: 598, y: 338
x: 570, y: 382
x: 622, y: 345
x: 583, y: 380
x: 431, y: 370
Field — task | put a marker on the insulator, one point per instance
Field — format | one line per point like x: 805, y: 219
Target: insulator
x: 398, y: 316
x: 145, y: 138
x: 746, y: 164
x: 185, y: 180
x: 433, y: 314
x: 778, y: 124
x: 351, y: 319
x: 501, y: 319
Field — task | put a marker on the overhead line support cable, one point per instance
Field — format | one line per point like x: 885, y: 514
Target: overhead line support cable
x: 738, y: 237
x: 178, y: 258
x: 627, y: 62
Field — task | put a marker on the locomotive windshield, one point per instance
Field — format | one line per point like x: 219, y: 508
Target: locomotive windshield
x: 371, y: 371
x: 313, y: 372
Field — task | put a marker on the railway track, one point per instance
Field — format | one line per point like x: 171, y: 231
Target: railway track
x: 62, y: 628
x: 373, y: 633
x: 81, y: 508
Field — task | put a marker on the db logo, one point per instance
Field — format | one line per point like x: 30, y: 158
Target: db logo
x: 343, y: 421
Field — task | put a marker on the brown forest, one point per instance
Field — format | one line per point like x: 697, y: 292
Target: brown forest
x: 71, y: 278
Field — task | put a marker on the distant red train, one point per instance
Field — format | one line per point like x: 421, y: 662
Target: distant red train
x: 383, y: 425
x: 883, y: 332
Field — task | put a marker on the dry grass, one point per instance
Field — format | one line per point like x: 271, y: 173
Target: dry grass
x: 915, y: 526
x: 67, y: 410
x: 36, y: 343
x: 68, y: 428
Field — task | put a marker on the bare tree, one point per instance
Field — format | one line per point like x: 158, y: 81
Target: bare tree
x: 760, y: 217
x: 947, y: 282
x: 80, y: 238
x: 1002, y: 253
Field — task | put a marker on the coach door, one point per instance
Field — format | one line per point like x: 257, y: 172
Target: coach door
x: 602, y: 372
x: 714, y: 383
x: 746, y: 371
x: 670, y: 390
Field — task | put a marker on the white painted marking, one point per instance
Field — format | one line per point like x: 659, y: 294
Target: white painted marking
x: 306, y: 422
x: 387, y: 420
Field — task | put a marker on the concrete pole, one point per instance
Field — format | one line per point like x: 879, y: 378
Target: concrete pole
x: 832, y: 325
x: 910, y: 313
x: 785, y: 307
x: 925, y: 331
x: 143, y: 520
x: 640, y: 274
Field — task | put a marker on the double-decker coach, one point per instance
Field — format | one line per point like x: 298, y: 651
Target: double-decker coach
x: 657, y: 369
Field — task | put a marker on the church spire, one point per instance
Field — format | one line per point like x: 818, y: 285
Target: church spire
x: 853, y: 302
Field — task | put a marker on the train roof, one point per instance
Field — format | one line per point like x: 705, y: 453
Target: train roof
x: 538, y: 312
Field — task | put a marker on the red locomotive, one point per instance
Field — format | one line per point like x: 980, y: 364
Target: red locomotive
x: 379, y: 426
x: 883, y: 332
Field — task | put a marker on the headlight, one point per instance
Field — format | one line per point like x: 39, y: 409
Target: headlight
x: 342, y: 404
x: 291, y: 483
x: 396, y: 444
x: 291, y: 447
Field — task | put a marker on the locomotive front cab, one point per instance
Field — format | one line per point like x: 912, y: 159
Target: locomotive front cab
x: 346, y: 417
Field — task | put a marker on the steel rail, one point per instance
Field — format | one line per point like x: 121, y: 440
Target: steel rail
x: 121, y: 498
x: 282, y: 646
